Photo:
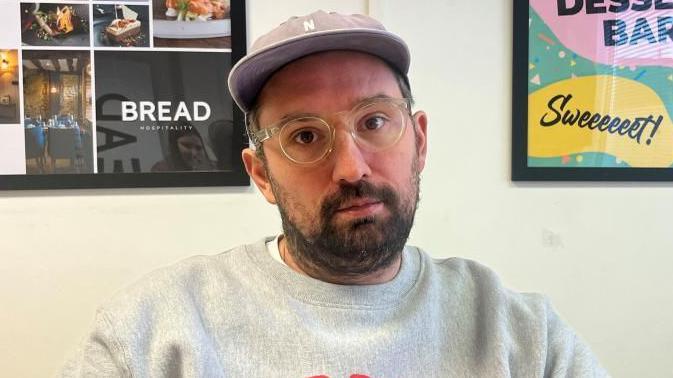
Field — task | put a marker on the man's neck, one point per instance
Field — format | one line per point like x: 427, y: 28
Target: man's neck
x: 380, y: 276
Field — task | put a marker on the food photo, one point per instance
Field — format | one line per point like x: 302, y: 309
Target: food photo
x: 192, y: 23
x: 54, y: 24
x: 117, y: 25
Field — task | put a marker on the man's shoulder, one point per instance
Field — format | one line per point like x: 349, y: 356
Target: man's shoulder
x: 524, y: 324
x: 193, y: 280
x: 470, y: 281
x: 179, y: 304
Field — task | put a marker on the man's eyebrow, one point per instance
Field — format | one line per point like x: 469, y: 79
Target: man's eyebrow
x: 296, y: 115
x: 361, y: 100
x: 374, y: 97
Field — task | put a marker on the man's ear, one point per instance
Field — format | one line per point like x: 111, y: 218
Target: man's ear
x: 421, y: 125
x: 256, y: 170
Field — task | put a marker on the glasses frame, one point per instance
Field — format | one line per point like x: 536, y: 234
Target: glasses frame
x: 263, y: 134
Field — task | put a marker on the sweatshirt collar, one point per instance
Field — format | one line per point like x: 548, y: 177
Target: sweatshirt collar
x: 314, y: 291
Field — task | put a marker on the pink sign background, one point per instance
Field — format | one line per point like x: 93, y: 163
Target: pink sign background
x: 584, y: 34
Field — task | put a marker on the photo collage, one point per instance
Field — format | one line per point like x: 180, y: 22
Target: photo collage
x: 129, y: 86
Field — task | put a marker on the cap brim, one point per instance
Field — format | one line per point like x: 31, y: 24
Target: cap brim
x: 248, y: 76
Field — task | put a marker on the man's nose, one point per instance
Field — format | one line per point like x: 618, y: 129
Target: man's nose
x: 350, y: 164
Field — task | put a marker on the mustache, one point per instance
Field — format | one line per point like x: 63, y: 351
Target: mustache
x: 360, y: 189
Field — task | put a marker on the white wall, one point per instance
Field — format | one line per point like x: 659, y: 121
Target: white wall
x: 600, y: 251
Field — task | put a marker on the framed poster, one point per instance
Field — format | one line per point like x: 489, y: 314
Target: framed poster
x: 593, y: 90
x: 109, y: 94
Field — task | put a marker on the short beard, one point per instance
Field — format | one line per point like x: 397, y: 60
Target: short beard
x: 355, y: 249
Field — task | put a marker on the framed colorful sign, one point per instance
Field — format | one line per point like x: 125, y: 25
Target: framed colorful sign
x: 593, y: 90
x: 111, y: 94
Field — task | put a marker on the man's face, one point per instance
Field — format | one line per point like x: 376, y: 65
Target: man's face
x: 350, y: 213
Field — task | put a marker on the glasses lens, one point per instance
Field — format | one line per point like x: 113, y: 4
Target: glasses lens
x: 379, y: 125
x: 305, y: 140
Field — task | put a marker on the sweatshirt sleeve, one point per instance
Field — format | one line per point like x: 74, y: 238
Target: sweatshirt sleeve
x: 99, y: 356
x: 567, y: 354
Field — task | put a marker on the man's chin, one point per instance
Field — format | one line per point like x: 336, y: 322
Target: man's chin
x: 360, y: 229
x: 354, y: 247
x: 361, y: 234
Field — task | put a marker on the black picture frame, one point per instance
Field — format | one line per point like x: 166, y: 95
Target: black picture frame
x: 521, y: 170
x: 233, y: 175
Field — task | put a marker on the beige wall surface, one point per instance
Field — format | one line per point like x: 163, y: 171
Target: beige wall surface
x: 599, y: 251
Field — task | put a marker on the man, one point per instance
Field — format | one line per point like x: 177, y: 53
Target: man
x: 338, y: 149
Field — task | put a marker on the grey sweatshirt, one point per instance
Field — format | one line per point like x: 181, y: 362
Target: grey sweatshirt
x: 243, y: 314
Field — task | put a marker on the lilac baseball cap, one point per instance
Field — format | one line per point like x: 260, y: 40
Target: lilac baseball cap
x: 301, y: 36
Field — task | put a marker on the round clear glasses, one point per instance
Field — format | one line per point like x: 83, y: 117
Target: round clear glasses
x: 375, y: 124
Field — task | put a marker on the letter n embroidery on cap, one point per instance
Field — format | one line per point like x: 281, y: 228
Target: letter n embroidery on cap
x: 309, y: 25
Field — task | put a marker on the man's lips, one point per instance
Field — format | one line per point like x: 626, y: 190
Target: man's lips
x: 360, y: 207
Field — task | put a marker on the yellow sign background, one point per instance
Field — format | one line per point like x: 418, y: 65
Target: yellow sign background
x: 606, y: 95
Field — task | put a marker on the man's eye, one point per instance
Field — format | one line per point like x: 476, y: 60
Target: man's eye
x: 374, y: 123
x: 305, y: 136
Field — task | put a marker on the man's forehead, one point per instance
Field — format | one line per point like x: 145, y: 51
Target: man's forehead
x: 346, y: 77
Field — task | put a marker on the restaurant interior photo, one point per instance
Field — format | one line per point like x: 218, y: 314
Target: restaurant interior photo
x: 57, y: 111
x: 9, y: 87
